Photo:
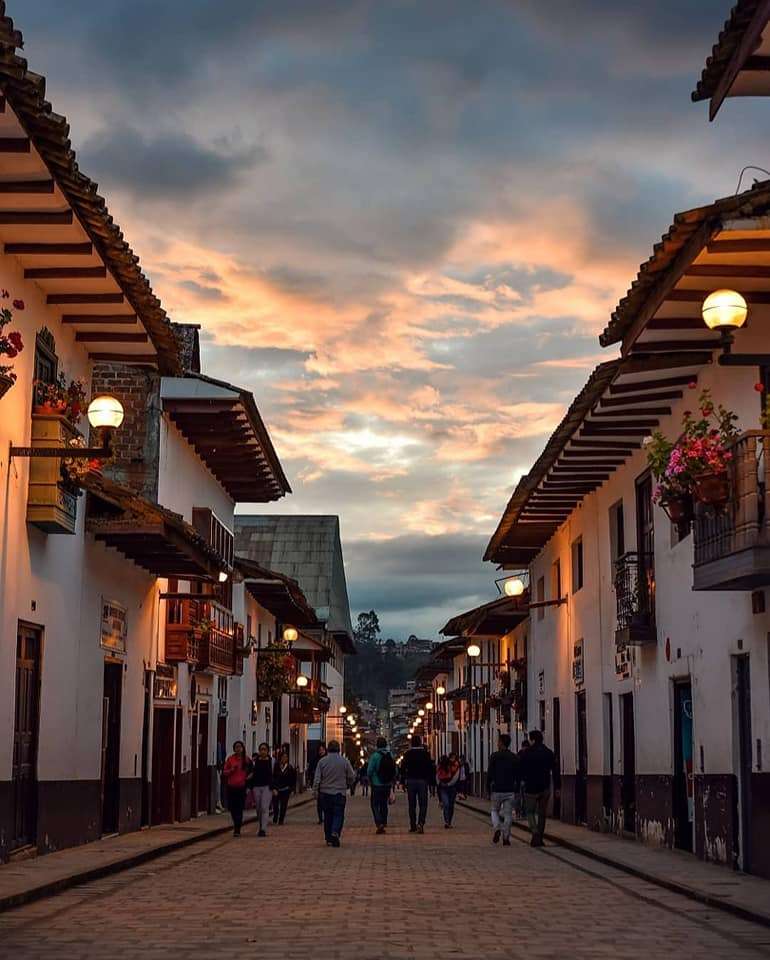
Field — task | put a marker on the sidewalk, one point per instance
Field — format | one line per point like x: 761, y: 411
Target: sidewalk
x: 23, y: 881
x: 716, y: 886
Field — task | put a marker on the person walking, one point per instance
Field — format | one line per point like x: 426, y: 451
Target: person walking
x: 363, y: 779
x: 503, y: 780
x: 418, y: 773
x: 333, y: 778
x: 284, y: 785
x: 464, y: 782
x: 520, y: 805
x: 538, y: 770
x: 381, y: 771
x: 447, y: 778
x: 235, y: 773
x: 261, y: 783
x: 311, y: 768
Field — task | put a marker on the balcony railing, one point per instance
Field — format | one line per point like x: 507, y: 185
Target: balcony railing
x: 732, y: 545
x: 635, y: 597
x: 201, y: 632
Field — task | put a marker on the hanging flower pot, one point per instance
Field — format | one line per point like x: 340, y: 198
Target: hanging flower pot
x: 712, y: 489
x: 678, y: 509
x: 6, y: 383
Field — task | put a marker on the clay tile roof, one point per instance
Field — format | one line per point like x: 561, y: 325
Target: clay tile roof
x: 745, y: 16
x: 663, y: 262
x: 49, y: 132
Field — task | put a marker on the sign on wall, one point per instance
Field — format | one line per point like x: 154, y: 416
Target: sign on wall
x: 578, y: 665
x: 113, y: 626
x: 622, y: 662
x: 541, y: 683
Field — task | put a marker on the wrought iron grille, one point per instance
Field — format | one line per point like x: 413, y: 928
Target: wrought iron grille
x: 634, y: 589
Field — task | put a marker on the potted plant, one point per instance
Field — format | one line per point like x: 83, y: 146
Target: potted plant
x: 11, y: 345
x: 673, y: 491
x: 60, y: 398
x: 706, y: 447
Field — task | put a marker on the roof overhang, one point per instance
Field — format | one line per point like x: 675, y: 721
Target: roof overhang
x: 153, y: 537
x: 222, y: 423
x: 58, y: 227
x: 739, y: 65
x: 492, y: 619
x: 345, y: 641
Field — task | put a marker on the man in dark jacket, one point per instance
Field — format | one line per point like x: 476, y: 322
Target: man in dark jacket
x: 503, y: 779
x: 538, y: 769
x: 418, y: 772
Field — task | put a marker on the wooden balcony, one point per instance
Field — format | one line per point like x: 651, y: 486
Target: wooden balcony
x: 308, y: 706
x: 732, y: 546
x: 635, y: 598
x: 202, y: 633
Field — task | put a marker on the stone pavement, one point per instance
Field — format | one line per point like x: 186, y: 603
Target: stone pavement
x: 25, y: 880
x: 713, y: 884
x: 447, y: 894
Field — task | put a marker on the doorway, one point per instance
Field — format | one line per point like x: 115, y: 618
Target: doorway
x: 742, y: 675
x: 684, y: 783
x: 194, y: 753
x: 581, y: 773
x: 628, y: 776
x: 162, y: 793
x: 204, y: 780
x: 557, y: 751
x: 146, y: 773
x: 179, y: 812
x: 26, y: 731
x: 111, y: 700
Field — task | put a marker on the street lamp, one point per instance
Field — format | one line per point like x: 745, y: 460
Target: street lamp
x: 429, y: 705
x: 105, y: 414
x: 302, y: 680
x: 514, y: 587
x: 441, y: 689
x: 724, y: 311
x: 473, y: 650
x: 290, y: 634
x: 343, y: 709
x: 420, y: 712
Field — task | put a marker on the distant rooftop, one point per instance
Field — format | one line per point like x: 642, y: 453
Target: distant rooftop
x: 306, y: 548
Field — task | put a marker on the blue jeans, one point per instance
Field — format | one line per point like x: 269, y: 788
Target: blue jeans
x: 379, y: 801
x: 447, y: 796
x: 417, y: 790
x: 333, y: 805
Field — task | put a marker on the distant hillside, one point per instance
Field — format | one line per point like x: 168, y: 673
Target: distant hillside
x: 371, y: 673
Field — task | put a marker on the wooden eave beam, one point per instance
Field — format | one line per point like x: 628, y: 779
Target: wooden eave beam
x: 65, y: 273
x: 142, y: 358
x: 662, y: 383
x: 669, y: 346
x: 626, y: 447
x: 740, y: 245
x: 14, y: 145
x: 26, y: 186
x: 634, y: 413
x: 101, y: 318
x: 51, y: 249
x: 109, y: 336
x: 84, y: 298
x: 36, y: 217
x: 739, y: 270
x: 664, y: 283
x: 698, y: 296
x: 676, y: 323
x: 611, y: 430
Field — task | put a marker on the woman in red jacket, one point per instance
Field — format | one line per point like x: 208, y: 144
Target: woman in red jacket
x: 235, y: 771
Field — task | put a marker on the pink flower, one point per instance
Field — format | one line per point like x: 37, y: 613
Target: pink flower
x: 18, y: 304
x: 15, y: 338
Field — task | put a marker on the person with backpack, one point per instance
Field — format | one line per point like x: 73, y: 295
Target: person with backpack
x: 381, y: 772
x: 448, y: 778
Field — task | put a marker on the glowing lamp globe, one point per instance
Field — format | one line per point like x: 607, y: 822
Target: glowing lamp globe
x: 514, y: 587
x: 223, y: 575
x: 441, y: 690
x: 105, y: 411
x: 429, y: 705
x: 302, y: 680
x: 343, y: 709
x: 420, y: 713
x: 290, y: 634
x: 474, y: 650
x: 724, y: 310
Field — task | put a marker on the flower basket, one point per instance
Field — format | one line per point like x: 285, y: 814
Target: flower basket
x: 6, y: 383
x: 713, y: 489
x: 678, y: 509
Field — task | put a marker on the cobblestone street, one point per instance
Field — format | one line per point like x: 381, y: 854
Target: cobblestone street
x: 393, y: 896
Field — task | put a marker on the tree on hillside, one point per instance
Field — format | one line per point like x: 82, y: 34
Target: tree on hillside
x: 367, y: 629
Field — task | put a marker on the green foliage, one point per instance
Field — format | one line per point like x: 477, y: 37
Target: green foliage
x: 367, y: 628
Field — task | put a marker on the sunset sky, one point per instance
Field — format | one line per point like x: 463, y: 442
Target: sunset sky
x: 401, y: 224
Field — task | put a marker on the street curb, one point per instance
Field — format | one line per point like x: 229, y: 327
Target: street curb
x: 671, y: 885
x: 118, y: 866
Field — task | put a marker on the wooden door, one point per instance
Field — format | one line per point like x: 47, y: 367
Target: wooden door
x: 628, y: 780
x: 744, y: 739
x: 684, y: 794
x: 26, y: 730
x: 179, y: 812
x: 204, y: 779
x: 162, y: 792
x: 113, y: 686
x: 581, y: 773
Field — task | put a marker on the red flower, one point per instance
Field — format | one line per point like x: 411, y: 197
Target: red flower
x: 15, y: 339
x: 692, y: 385
x: 11, y: 352
x: 759, y: 387
x: 18, y: 304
